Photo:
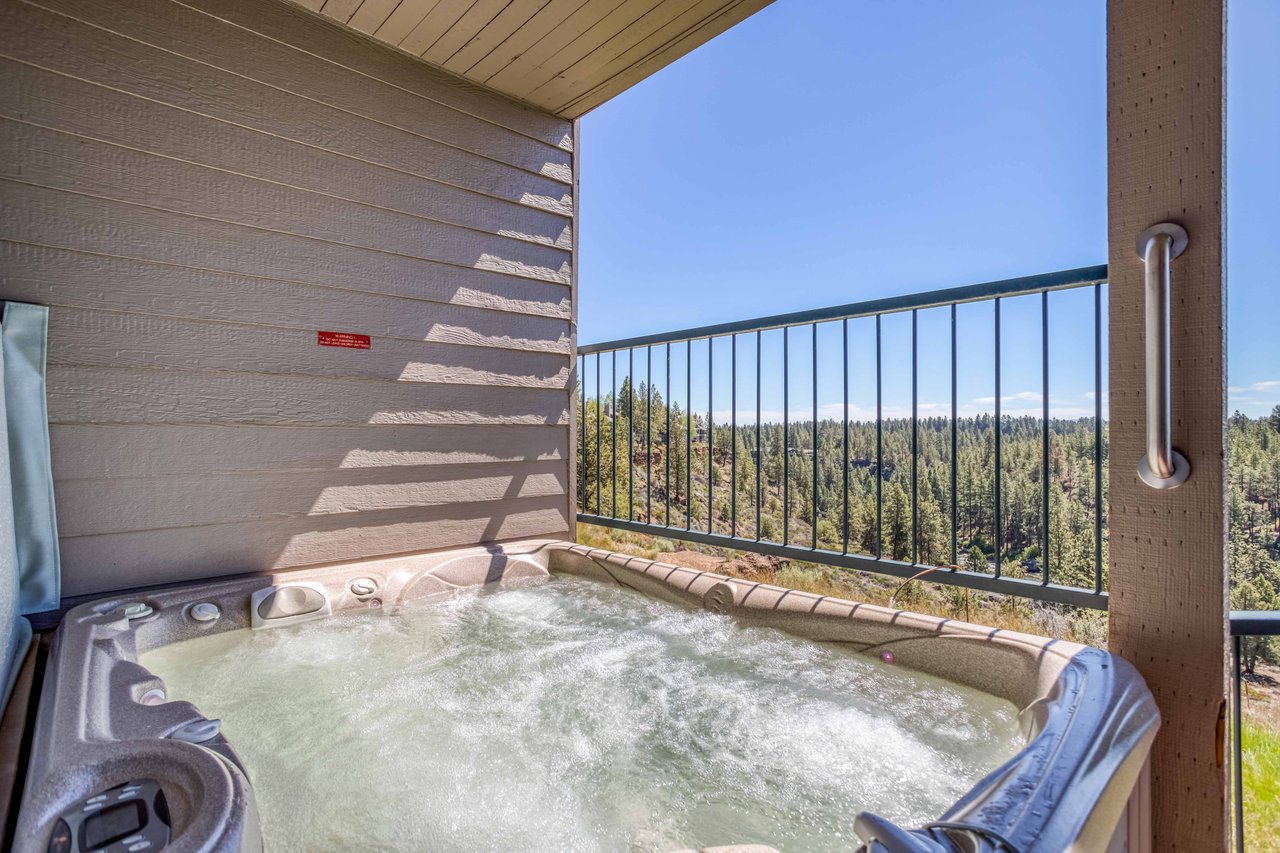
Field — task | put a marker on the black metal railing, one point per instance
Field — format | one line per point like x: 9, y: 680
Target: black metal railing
x: 653, y: 501
x: 1246, y: 625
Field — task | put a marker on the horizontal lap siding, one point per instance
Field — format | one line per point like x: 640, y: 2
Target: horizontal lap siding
x: 115, y: 395
x: 83, y: 336
x: 48, y: 218
x: 128, y: 451
x: 90, y: 111
x: 189, y: 553
x: 193, y: 34
x: 195, y: 189
x: 102, y: 507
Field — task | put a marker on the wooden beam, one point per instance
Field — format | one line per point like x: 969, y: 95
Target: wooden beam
x: 1168, y: 579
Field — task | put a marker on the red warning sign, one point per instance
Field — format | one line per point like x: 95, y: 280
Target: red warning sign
x: 343, y: 339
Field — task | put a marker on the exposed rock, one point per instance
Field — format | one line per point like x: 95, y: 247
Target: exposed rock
x: 756, y: 567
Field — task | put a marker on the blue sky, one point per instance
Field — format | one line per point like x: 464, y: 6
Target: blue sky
x: 826, y: 152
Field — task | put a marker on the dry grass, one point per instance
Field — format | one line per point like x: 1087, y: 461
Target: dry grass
x: 1261, y: 760
x: 1261, y: 769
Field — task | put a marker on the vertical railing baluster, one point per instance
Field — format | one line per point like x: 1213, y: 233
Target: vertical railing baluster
x: 879, y: 446
x: 786, y: 438
x: 711, y: 429
x: 813, y: 509
x: 1097, y: 437
x: 915, y: 438
x: 999, y: 533
x: 955, y: 446
x: 733, y: 429
x: 631, y: 434
x: 582, y: 464
x: 1044, y: 448
x: 688, y: 419
x: 759, y: 450
x: 613, y: 429
x: 844, y: 420
x: 599, y: 406
x: 648, y: 435
x: 666, y: 518
x: 1237, y: 744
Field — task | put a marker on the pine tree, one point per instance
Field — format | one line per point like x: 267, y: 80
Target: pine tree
x: 897, y: 522
x: 644, y: 449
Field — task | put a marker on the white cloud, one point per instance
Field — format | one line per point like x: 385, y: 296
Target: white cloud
x: 1254, y: 400
x: 1015, y: 405
x: 1256, y: 388
x: 1011, y: 399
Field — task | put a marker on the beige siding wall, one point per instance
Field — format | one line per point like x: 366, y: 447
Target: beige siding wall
x: 196, y: 189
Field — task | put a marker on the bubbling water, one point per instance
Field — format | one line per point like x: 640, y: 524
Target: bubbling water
x: 568, y: 715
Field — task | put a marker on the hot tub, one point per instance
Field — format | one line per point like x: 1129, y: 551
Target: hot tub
x: 530, y: 692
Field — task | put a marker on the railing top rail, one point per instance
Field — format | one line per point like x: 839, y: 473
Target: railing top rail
x: 1062, y: 280
x: 1255, y: 623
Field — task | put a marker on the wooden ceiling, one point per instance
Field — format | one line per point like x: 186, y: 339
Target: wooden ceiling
x: 563, y: 56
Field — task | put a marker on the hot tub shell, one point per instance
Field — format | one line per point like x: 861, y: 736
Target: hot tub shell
x: 1087, y: 715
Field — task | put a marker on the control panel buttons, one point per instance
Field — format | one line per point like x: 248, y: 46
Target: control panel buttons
x: 129, y: 817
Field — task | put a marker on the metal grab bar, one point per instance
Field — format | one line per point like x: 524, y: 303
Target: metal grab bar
x: 1161, y: 467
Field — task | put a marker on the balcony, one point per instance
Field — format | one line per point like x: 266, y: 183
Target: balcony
x: 304, y: 468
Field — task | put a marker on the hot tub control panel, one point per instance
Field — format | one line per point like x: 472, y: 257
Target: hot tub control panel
x: 128, y: 818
